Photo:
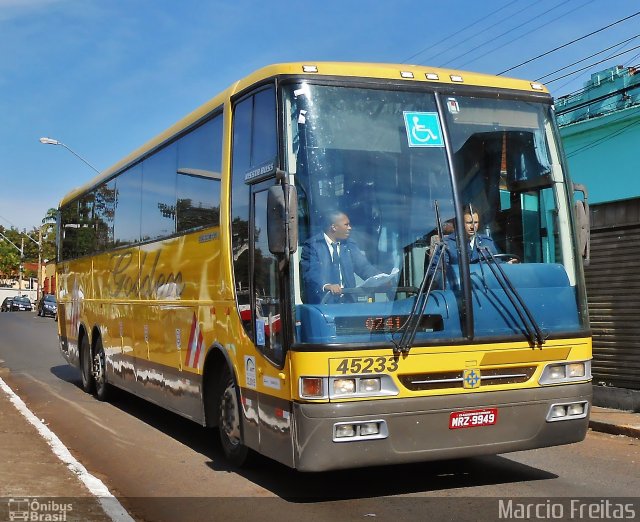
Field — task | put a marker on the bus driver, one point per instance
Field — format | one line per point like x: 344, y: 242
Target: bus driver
x: 330, y: 260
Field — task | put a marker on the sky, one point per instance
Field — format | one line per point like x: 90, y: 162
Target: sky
x: 106, y: 76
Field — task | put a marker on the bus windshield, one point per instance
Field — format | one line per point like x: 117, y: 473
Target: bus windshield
x: 392, y: 165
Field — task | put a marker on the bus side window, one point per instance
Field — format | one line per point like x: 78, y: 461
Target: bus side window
x: 199, y: 172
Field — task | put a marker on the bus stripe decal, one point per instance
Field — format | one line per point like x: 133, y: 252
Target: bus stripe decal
x: 195, y: 344
x: 196, y: 359
x: 191, y: 336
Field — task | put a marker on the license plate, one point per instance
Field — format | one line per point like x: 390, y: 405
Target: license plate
x: 473, y: 419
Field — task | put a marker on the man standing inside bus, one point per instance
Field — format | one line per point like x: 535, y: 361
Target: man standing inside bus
x: 330, y: 260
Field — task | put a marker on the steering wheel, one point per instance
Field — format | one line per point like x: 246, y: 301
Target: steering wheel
x: 407, y: 289
x: 507, y: 256
x: 345, y: 291
x: 368, y: 291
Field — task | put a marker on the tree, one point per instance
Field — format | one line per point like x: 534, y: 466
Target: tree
x: 9, y: 260
x: 49, y: 232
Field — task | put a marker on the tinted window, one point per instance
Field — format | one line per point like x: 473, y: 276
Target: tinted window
x: 240, y: 193
x: 104, y: 210
x: 254, y: 144
x: 159, y: 194
x: 127, y: 217
x: 264, y: 127
x: 69, y: 230
x: 198, y: 183
x: 86, y: 240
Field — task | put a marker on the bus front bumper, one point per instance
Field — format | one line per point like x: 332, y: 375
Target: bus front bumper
x: 418, y: 429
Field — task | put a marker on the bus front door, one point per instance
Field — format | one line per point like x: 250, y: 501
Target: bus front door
x: 272, y: 379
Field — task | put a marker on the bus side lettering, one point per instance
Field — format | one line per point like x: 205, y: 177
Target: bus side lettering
x: 124, y: 285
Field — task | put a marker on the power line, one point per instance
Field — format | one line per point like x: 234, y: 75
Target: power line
x: 460, y: 31
x: 590, y: 56
x: 505, y: 33
x: 584, y: 88
x: 480, y: 31
x: 600, y: 141
x: 597, y: 99
x: 5, y: 219
x: 523, y: 35
x: 592, y: 64
x: 621, y: 45
x: 632, y: 59
x: 569, y: 43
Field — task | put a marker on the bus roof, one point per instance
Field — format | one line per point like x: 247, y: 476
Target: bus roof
x: 413, y: 73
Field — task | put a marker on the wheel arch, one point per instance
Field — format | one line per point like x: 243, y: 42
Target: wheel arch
x: 96, y: 334
x: 217, y: 358
x: 82, y: 333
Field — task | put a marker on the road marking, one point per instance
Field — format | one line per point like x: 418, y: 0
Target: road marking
x: 96, y: 487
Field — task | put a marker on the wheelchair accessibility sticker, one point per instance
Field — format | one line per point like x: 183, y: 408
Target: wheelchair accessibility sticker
x: 423, y: 129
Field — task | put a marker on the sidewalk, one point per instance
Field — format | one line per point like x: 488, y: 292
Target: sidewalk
x: 33, y: 480
x: 29, y: 469
x: 615, y: 422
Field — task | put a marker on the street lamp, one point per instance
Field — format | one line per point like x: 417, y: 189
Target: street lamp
x: 51, y: 141
x: 39, y: 243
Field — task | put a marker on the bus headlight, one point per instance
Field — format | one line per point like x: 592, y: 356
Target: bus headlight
x: 371, y: 385
x: 556, y: 372
x: 344, y: 386
x: 369, y: 428
x: 345, y: 430
x: 559, y: 373
x: 567, y: 411
x: 356, y: 386
x: 355, y: 431
x: 575, y: 370
x: 352, y: 385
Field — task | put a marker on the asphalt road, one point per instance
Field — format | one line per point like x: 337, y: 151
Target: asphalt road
x: 164, y: 467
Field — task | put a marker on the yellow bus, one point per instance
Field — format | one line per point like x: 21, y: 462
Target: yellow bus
x: 187, y: 272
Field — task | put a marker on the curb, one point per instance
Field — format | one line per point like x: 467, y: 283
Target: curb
x: 614, y: 429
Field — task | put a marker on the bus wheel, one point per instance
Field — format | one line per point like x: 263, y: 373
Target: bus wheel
x: 229, y: 421
x: 88, y: 382
x: 102, y: 387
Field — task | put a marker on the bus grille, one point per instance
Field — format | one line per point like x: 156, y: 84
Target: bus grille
x: 444, y: 380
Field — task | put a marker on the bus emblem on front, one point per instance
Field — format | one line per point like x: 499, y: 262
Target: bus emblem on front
x: 471, y: 378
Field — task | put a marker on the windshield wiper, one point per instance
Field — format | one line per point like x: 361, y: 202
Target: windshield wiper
x: 410, y: 326
x: 534, y: 333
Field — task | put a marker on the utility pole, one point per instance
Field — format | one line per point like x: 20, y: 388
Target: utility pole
x: 21, y: 250
x: 39, y: 291
x: 21, y: 267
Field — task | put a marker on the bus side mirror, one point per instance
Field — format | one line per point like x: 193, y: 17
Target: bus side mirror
x: 282, y: 218
x: 583, y: 222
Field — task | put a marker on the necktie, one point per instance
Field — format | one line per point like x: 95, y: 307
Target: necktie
x: 335, y: 264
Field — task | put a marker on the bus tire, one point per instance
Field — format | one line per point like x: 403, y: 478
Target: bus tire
x: 88, y: 382
x: 102, y: 387
x: 229, y: 421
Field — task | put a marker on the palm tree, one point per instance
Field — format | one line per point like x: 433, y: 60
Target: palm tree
x: 49, y: 233
x: 50, y: 217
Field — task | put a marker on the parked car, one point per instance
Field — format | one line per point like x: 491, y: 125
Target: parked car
x: 47, y: 305
x: 19, y: 303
